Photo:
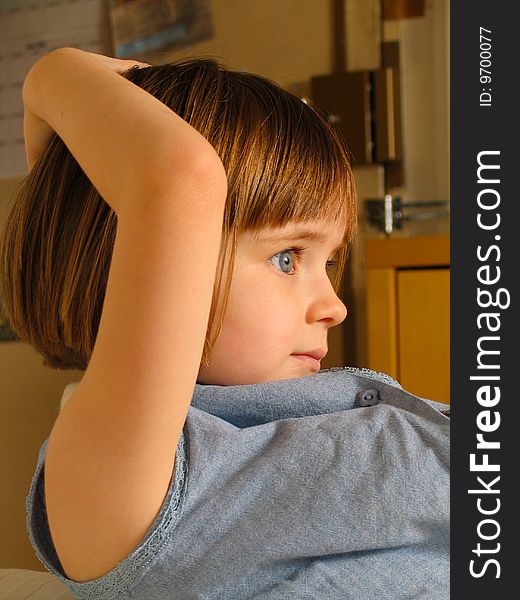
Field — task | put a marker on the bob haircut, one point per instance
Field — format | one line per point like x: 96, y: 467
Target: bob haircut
x: 284, y: 163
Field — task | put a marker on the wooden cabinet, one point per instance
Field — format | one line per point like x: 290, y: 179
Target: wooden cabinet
x: 408, y: 312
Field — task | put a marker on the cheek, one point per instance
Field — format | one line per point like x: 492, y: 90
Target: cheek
x: 258, y: 313
x: 272, y: 317
x: 247, y: 313
x: 238, y: 320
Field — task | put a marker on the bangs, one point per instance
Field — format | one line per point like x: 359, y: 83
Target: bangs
x: 290, y: 164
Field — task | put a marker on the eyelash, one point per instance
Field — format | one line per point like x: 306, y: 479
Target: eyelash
x: 298, y: 251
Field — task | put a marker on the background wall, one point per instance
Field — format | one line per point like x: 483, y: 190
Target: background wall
x: 288, y: 41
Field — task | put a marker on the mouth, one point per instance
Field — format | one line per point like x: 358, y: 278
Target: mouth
x: 311, y: 359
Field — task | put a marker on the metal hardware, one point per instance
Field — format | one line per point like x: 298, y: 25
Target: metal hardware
x: 389, y: 213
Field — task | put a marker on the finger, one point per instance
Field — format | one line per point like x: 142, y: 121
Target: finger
x: 136, y: 63
x: 133, y: 65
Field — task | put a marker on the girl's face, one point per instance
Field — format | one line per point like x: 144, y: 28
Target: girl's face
x: 281, y: 306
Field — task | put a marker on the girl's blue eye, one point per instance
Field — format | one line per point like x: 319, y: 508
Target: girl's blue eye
x: 285, y: 259
x: 290, y: 257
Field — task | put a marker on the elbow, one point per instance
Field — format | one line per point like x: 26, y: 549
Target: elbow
x: 205, y: 166
x: 196, y: 176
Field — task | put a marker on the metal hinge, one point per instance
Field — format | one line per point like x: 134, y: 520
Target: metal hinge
x: 389, y: 213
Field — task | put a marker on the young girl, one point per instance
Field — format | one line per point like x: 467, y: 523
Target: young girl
x: 173, y: 240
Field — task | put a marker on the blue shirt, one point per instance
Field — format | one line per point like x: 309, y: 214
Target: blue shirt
x: 331, y: 486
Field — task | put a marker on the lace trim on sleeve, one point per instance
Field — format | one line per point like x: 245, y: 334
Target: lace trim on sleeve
x: 128, y: 573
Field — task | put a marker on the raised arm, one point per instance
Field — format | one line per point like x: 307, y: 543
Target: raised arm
x: 111, y: 451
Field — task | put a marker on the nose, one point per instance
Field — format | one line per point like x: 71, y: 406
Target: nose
x: 325, y: 304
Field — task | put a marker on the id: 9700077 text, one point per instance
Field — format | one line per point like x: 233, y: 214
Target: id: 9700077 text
x: 485, y: 66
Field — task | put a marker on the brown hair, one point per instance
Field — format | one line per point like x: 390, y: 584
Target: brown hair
x: 284, y: 163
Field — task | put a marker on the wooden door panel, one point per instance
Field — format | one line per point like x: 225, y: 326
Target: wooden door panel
x: 424, y: 332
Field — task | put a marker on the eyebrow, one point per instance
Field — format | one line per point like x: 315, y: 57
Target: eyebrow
x: 300, y: 235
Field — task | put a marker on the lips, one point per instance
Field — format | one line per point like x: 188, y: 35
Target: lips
x: 318, y: 354
x: 312, y: 358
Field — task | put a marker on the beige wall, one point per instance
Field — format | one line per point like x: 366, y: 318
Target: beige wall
x: 29, y: 402
x: 288, y: 41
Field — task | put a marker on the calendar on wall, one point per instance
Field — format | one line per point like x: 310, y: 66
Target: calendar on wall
x: 28, y: 30
x: 124, y: 28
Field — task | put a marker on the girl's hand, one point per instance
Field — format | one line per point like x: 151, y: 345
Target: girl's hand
x: 37, y: 132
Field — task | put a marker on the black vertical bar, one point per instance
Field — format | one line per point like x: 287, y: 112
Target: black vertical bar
x: 484, y: 299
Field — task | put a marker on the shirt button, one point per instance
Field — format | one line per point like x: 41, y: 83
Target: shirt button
x: 368, y: 397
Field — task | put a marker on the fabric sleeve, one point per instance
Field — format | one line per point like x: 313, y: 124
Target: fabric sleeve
x: 119, y: 582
